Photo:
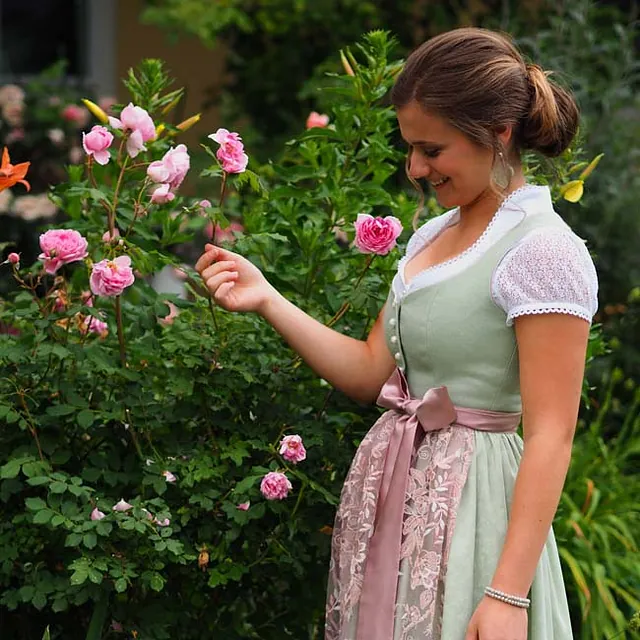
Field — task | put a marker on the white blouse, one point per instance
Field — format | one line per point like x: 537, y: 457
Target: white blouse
x: 548, y: 271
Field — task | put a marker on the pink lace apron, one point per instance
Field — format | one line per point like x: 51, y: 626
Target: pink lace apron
x: 390, y: 512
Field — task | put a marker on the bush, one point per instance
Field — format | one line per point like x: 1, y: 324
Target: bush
x: 179, y: 415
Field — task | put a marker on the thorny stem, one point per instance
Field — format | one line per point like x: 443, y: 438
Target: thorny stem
x: 92, y: 179
x: 32, y: 428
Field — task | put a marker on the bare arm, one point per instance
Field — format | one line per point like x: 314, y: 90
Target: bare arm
x: 356, y: 367
x: 552, y: 354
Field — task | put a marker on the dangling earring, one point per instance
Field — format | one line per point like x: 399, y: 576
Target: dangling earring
x: 502, y: 173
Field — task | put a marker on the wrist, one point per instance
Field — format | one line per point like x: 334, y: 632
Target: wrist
x: 270, y: 301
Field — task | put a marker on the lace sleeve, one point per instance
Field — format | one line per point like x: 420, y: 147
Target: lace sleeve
x: 548, y: 271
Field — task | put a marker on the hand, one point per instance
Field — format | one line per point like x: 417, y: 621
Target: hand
x: 234, y: 282
x: 496, y: 620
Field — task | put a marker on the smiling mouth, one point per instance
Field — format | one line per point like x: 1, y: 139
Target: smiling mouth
x: 439, y: 183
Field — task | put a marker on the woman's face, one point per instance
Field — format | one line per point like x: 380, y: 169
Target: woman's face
x: 458, y: 170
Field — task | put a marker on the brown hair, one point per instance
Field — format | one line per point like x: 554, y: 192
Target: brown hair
x: 479, y: 82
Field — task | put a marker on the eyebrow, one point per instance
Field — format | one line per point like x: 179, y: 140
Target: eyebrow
x: 423, y: 143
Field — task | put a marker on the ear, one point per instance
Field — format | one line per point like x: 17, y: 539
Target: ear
x: 504, y: 133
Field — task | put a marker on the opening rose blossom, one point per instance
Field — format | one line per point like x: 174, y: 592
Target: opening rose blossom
x: 13, y: 258
x: 111, y: 277
x: 60, y: 247
x: 122, y: 505
x: 139, y: 124
x: 231, y: 152
x: 292, y: 449
x: 173, y: 167
x: 96, y: 143
x: 376, y: 235
x: 275, y: 486
x: 316, y: 119
x: 96, y: 514
x: 95, y: 325
x: 162, y: 194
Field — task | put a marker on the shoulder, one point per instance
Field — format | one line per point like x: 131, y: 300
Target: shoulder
x: 547, y: 270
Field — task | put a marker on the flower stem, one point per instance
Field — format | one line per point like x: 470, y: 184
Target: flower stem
x: 32, y: 427
x: 346, y: 305
x: 123, y: 354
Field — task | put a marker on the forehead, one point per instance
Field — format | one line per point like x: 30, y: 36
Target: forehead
x: 418, y: 125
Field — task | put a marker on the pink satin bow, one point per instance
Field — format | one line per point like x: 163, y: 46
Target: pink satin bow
x: 433, y: 412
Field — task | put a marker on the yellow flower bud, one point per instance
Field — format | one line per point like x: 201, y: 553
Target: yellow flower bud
x: 96, y: 111
x: 345, y: 64
x: 592, y: 165
x: 159, y: 129
x: 189, y: 122
x: 572, y: 191
x: 171, y: 105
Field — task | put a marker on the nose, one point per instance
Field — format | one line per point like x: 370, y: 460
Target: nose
x: 418, y: 165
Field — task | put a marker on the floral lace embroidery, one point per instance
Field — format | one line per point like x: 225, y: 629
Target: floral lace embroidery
x: 436, y: 480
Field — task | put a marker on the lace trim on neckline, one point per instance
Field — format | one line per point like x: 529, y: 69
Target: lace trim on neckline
x: 447, y: 263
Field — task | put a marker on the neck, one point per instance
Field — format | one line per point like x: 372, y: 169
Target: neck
x: 480, y: 212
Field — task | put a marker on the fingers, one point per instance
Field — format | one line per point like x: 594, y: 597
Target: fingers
x: 218, y: 267
x: 219, y: 283
x: 211, y: 255
x: 206, y: 259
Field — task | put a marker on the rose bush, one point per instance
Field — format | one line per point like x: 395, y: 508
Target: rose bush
x: 177, y: 479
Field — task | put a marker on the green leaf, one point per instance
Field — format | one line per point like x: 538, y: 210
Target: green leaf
x: 61, y: 410
x: 157, y: 582
x: 104, y: 528
x: 73, y: 540
x: 11, y: 469
x: 42, y: 517
x: 79, y: 576
x: 35, y: 504
x: 58, y: 487
x: 85, y: 418
x: 39, y: 601
x: 57, y: 520
x: 90, y: 540
x: 121, y: 585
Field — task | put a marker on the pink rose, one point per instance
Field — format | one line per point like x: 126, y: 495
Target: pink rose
x: 95, y: 325
x: 231, y: 152
x: 244, y: 506
x: 13, y: 258
x: 316, y: 119
x: 292, y: 449
x: 123, y: 505
x: 111, y: 277
x: 97, y: 142
x: 162, y: 194
x: 140, y: 125
x: 162, y: 523
x: 275, y: 486
x: 76, y: 114
x: 377, y: 235
x: 225, y: 235
x: 61, y: 246
x: 108, y: 238
x: 96, y: 514
x: 173, y: 314
x: 168, y: 476
x: 172, y: 168
x: 204, y: 204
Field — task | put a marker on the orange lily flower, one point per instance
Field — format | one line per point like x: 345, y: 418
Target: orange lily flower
x: 11, y: 174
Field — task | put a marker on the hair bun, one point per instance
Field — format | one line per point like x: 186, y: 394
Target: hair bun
x: 552, y: 121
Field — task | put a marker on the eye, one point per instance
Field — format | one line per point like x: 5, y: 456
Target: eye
x: 431, y: 153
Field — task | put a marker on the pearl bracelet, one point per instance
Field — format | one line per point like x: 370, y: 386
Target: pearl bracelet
x: 516, y: 601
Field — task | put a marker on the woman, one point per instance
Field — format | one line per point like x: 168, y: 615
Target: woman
x: 444, y: 526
